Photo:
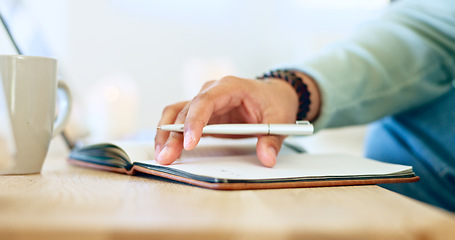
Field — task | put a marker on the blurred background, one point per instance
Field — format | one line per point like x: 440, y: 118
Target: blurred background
x: 126, y: 60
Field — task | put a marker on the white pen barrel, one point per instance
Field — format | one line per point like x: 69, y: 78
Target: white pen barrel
x: 236, y: 129
x: 249, y: 129
x: 172, y: 127
x: 289, y: 129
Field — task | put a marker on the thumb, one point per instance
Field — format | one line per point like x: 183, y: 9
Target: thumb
x: 267, y: 149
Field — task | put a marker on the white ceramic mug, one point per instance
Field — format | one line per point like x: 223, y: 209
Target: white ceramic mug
x: 30, y: 86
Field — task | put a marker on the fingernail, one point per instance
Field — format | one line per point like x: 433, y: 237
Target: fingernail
x: 162, y: 155
x: 188, y: 140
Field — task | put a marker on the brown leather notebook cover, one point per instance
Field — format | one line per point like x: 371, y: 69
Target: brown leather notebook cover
x: 248, y: 186
x: 112, y: 158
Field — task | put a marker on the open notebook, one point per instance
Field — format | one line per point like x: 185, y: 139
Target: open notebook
x: 233, y: 164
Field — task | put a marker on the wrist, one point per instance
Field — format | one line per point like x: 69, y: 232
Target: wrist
x: 306, y: 89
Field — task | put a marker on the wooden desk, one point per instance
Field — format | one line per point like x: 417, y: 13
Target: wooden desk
x: 68, y: 202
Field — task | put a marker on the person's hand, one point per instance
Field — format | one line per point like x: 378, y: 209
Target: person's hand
x: 229, y: 100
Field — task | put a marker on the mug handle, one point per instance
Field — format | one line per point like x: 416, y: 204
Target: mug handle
x: 64, y: 105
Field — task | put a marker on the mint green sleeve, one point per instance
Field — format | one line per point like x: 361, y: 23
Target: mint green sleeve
x: 403, y: 60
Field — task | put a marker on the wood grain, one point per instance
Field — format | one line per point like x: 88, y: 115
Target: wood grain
x: 70, y: 202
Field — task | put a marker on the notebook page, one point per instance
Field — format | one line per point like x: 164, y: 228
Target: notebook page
x: 288, y: 166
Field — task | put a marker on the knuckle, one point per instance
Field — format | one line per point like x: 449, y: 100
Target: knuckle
x: 200, y: 122
x: 182, y: 114
x: 175, y: 138
x: 207, y: 84
x: 169, y: 109
x: 229, y: 78
x: 172, y: 109
x: 201, y: 97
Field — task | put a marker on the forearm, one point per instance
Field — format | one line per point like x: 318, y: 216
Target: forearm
x: 404, y: 60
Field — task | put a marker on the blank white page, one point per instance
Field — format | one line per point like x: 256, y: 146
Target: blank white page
x: 288, y: 166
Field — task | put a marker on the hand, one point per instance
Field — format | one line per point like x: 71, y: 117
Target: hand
x: 229, y: 100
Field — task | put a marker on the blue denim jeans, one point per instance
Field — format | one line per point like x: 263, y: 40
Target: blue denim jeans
x: 425, y: 139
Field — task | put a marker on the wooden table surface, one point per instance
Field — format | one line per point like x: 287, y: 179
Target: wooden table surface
x: 69, y: 202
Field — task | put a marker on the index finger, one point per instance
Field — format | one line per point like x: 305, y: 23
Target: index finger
x: 169, y: 116
x: 220, y: 95
x: 198, y: 116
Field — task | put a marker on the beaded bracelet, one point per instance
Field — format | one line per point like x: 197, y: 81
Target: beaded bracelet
x: 297, y: 83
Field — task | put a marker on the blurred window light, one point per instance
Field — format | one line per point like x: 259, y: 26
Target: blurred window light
x: 175, y: 9
x: 112, y: 94
x: 23, y: 27
x: 206, y: 7
x: 345, y: 4
x: 224, y: 13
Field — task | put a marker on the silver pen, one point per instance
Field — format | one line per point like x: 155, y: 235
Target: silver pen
x: 299, y: 128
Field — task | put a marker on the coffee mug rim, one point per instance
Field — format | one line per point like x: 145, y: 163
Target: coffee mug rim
x: 18, y: 56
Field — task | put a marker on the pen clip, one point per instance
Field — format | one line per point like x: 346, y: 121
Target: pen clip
x: 302, y: 122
